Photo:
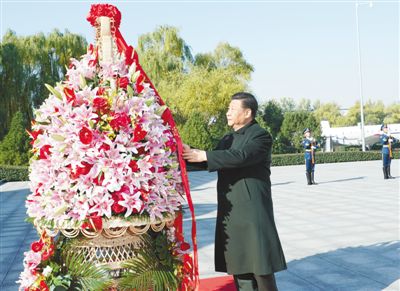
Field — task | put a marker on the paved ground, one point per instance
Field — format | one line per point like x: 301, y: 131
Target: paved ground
x: 342, y: 234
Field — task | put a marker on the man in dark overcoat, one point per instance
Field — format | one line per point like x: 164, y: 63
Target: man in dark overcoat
x: 247, y: 244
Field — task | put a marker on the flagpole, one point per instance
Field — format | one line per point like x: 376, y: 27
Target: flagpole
x: 360, y: 80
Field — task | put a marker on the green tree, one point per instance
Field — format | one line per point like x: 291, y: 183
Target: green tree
x: 225, y: 56
x: 294, y: 124
x: 328, y: 111
x: 352, y: 117
x: 374, y: 112
x: 26, y: 64
x: 272, y: 114
x: 193, y: 85
x: 14, y: 149
x: 392, y: 113
x: 304, y: 105
x: 163, y: 51
x: 287, y: 104
x: 195, y: 132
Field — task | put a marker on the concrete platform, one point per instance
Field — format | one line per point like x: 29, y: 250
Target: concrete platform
x: 342, y: 234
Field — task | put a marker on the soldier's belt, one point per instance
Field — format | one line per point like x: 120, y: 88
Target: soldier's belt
x: 308, y: 150
x: 385, y: 146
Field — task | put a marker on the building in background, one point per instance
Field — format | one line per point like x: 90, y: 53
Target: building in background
x: 351, y: 135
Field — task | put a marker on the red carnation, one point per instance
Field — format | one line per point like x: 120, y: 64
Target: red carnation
x: 100, y: 104
x: 133, y: 165
x: 82, y: 170
x: 185, y: 246
x: 37, y: 246
x: 144, y: 195
x: 123, y: 82
x: 120, y: 120
x: 104, y: 147
x: 117, y: 208
x: 43, y: 286
x: 85, y: 135
x: 117, y: 196
x: 141, y: 151
x: 46, y: 255
x: 139, y: 133
x: 44, y: 152
x: 170, y: 143
x: 97, y: 222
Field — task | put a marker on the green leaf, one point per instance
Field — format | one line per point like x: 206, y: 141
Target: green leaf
x: 57, y: 137
x: 130, y: 91
x: 82, y: 82
x: 54, y: 91
x: 88, y: 275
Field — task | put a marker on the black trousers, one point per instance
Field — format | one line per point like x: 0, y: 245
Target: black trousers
x: 251, y: 282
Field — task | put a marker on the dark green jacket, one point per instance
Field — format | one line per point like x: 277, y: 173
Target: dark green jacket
x: 246, y: 239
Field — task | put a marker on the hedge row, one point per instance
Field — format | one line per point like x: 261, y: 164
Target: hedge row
x: 20, y: 173
x: 331, y: 157
x: 14, y: 173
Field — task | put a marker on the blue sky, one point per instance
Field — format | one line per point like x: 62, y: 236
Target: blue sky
x: 299, y: 49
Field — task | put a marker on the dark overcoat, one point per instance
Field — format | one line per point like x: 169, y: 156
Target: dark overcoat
x: 246, y: 239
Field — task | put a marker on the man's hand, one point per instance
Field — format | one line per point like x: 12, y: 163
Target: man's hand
x: 186, y: 148
x: 194, y: 155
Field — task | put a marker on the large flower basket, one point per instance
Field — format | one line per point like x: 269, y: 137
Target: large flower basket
x: 107, y: 178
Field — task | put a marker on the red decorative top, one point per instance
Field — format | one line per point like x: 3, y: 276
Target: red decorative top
x: 98, y: 10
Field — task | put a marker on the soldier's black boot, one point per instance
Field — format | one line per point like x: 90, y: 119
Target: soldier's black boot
x: 388, y: 172
x: 312, y: 179
x: 385, y: 174
x: 308, y: 175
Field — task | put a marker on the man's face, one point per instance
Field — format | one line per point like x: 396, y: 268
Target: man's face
x: 385, y: 129
x: 237, y: 116
x: 307, y: 134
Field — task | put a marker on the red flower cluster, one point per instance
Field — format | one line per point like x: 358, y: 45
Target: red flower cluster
x: 44, y: 152
x: 123, y: 82
x: 139, y: 133
x: 70, y: 95
x: 85, y: 135
x: 34, y: 135
x: 120, y: 120
x: 100, y: 104
x: 45, y: 245
x: 97, y: 10
x: 133, y: 165
x: 117, y: 196
x: 81, y: 170
x: 93, y: 222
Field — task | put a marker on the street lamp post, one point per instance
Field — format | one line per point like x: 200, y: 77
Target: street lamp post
x: 360, y: 78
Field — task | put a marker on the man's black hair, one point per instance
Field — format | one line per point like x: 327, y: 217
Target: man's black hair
x: 248, y: 101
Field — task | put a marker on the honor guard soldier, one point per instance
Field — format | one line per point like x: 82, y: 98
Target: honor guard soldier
x: 386, y: 140
x: 310, y: 145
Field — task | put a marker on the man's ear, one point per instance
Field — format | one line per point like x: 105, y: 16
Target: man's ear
x: 248, y: 112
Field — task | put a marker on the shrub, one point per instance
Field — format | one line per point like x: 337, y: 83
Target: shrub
x: 14, y: 173
x: 14, y: 149
x: 330, y: 157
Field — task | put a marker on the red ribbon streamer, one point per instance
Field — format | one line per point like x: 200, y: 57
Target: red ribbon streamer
x: 131, y: 56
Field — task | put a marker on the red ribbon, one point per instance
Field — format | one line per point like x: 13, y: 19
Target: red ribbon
x: 130, y: 57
